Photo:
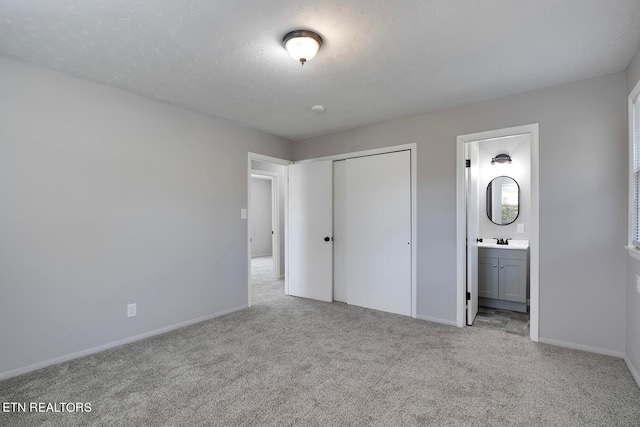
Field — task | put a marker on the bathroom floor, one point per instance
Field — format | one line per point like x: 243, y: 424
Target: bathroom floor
x: 511, y: 322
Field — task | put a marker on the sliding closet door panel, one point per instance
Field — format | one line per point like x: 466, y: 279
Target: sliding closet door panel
x: 379, y: 232
x: 310, y: 230
x: 340, y: 259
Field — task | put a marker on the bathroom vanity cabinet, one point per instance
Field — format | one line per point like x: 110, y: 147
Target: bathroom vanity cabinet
x: 503, y: 278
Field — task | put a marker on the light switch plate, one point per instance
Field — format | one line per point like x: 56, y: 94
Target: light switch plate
x: 131, y: 310
x: 243, y: 213
x: 520, y: 228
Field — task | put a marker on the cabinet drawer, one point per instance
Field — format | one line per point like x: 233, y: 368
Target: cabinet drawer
x: 502, y: 253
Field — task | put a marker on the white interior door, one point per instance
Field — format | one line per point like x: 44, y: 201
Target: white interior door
x: 310, y: 230
x: 340, y: 250
x: 378, y: 232
x: 473, y: 229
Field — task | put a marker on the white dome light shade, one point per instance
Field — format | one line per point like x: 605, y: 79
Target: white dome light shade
x: 302, y: 48
x: 302, y: 45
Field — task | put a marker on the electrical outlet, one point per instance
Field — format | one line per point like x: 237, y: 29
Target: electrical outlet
x: 131, y: 310
x: 520, y: 228
x: 243, y: 213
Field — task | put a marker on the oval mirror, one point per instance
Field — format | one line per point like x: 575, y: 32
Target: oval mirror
x: 503, y: 200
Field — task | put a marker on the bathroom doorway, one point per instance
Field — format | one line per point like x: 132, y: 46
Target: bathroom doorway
x: 498, y: 258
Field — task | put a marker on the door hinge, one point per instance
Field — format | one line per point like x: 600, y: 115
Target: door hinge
x: 468, y: 163
x: 468, y: 296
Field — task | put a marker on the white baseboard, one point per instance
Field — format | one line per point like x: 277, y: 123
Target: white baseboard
x: 87, y: 352
x: 632, y: 369
x: 574, y: 346
x: 437, y: 320
x: 260, y: 255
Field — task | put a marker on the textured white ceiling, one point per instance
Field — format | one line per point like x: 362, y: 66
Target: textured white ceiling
x: 381, y: 59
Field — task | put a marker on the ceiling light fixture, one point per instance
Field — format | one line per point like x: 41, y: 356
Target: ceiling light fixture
x: 302, y: 45
x: 501, y: 158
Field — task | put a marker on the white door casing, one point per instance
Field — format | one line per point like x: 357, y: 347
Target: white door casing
x: 310, y: 230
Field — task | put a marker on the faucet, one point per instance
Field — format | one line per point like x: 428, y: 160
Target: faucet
x: 501, y: 241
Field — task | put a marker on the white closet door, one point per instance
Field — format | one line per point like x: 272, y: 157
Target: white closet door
x: 310, y: 230
x: 378, y: 232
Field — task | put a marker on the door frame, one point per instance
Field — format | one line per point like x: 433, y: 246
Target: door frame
x: 412, y: 147
x: 282, y: 162
x: 461, y: 220
x: 275, y: 216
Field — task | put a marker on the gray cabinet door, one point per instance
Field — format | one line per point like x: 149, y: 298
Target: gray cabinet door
x: 488, y: 277
x: 513, y: 280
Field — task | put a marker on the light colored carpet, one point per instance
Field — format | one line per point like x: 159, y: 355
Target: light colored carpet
x: 262, y: 269
x: 289, y: 361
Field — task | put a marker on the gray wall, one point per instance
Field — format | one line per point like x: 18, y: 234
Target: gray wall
x: 632, y: 349
x: 583, y: 192
x: 108, y: 198
x: 633, y: 71
x: 260, y: 215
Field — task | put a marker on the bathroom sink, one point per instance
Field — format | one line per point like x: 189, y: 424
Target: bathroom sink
x: 513, y: 244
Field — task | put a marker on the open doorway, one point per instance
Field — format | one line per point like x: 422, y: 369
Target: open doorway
x: 498, y: 246
x: 263, y: 224
x: 266, y: 225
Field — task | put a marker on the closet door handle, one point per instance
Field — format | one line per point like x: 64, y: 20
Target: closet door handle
x: 326, y: 239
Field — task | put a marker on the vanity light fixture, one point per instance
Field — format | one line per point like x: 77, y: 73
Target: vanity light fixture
x: 302, y: 45
x: 501, y: 158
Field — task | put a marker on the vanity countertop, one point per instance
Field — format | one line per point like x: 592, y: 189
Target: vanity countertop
x: 513, y: 244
